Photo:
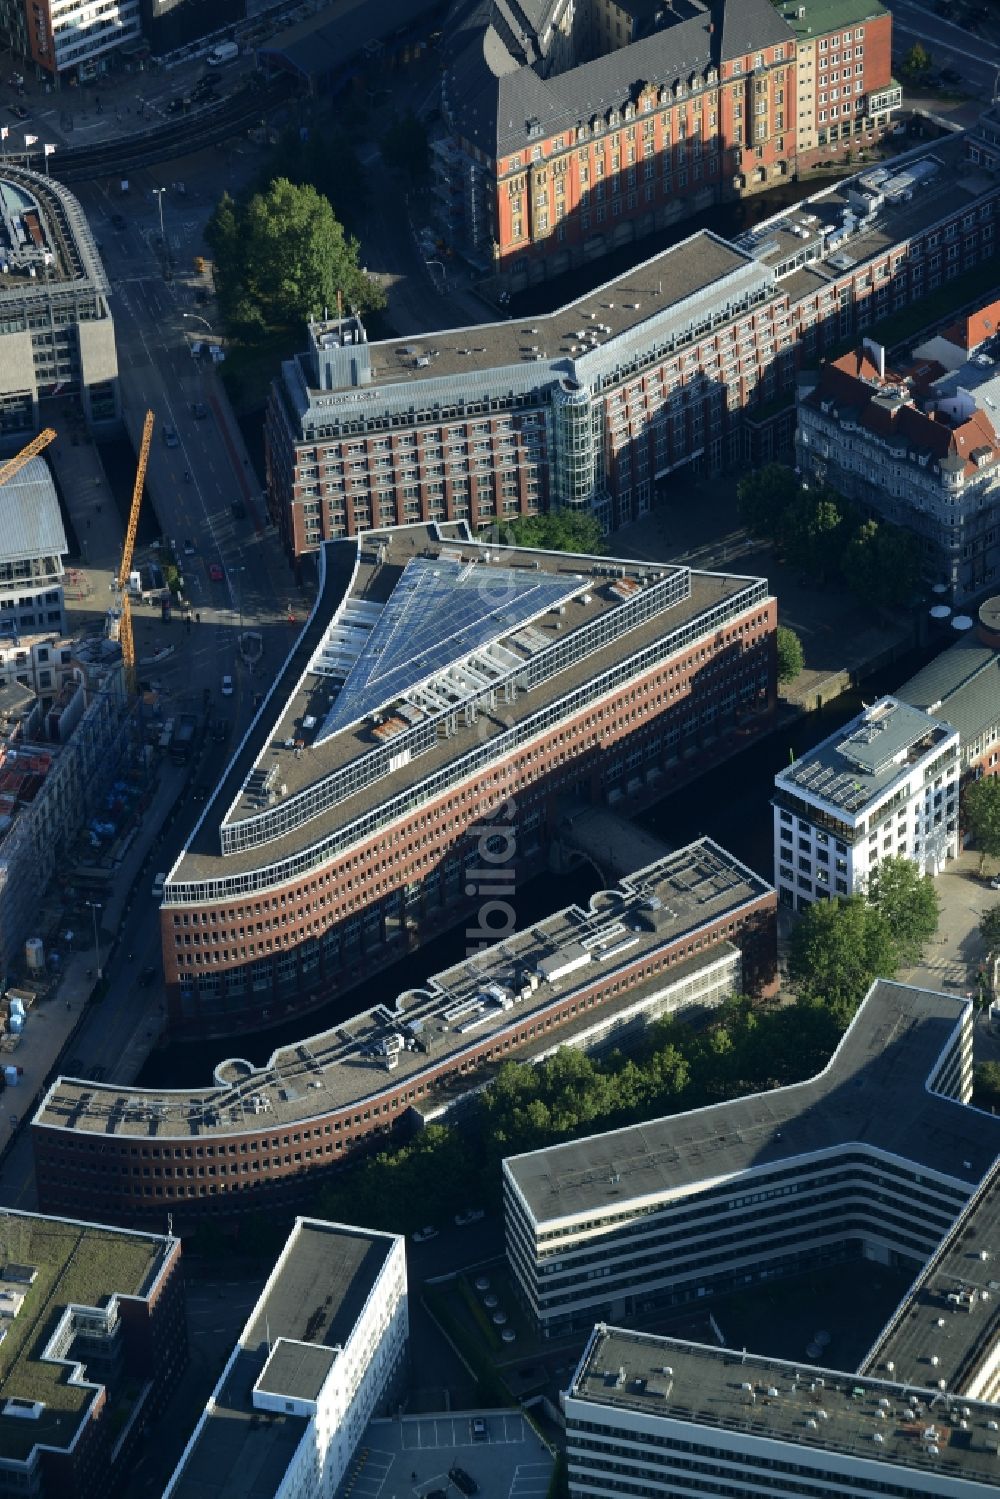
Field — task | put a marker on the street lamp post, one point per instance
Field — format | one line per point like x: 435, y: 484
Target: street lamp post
x: 96, y: 906
x: 199, y: 319
x: 158, y: 192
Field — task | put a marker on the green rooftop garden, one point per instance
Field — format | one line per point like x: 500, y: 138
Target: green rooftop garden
x: 75, y: 1265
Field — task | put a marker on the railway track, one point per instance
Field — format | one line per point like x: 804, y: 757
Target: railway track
x: 202, y: 127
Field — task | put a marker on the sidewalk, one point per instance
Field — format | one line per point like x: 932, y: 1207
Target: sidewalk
x: 54, y: 1025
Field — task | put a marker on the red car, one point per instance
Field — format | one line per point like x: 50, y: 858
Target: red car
x: 216, y: 573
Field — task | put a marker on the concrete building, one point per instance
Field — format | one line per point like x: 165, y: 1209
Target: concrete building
x: 918, y: 1418
x: 322, y: 1352
x: 919, y: 449
x: 94, y: 1340
x: 569, y: 130
x: 684, y: 365
x: 875, y: 1158
x: 441, y: 685
x: 56, y: 332
x: 962, y: 685
x: 676, y: 938
x: 884, y: 786
x: 32, y: 547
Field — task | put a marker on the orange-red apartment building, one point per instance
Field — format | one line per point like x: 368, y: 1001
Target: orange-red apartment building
x: 565, y: 139
x: 444, y: 702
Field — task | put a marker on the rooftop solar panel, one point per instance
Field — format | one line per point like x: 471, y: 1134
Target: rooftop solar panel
x: 439, y: 612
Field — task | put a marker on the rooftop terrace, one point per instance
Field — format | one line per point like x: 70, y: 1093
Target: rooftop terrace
x: 483, y: 997
x: 855, y: 767
x: 77, y: 1264
x: 773, y: 1400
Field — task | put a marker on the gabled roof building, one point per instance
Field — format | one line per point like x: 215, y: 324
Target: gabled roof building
x: 919, y: 448
x: 573, y: 129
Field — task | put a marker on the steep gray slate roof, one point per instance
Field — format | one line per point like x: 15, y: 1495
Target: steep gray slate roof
x: 749, y: 25
x: 493, y: 91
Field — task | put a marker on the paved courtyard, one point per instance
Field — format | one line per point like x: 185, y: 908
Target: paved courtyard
x: 412, y: 1458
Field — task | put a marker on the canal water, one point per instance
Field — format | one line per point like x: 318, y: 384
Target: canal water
x: 730, y: 803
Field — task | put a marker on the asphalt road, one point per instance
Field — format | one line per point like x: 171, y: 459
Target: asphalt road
x: 975, y: 57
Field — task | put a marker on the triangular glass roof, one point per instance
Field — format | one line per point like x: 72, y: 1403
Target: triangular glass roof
x: 439, y: 612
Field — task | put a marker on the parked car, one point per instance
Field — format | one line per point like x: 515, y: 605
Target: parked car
x: 199, y: 410
x: 995, y: 882
x: 118, y: 221
x: 221, y: 730
x: 147, y: 976
x: 18, y: 111
x: 480, y: 1431
x: 469, y: 1215
x: 216, y: 572
x: 239, y: 510
x: 227, y: 686
x: 463, y: 1480
x: 170, y: 438
x: 158, y: 884
x: 423, y: 1234
x: 188, y: 547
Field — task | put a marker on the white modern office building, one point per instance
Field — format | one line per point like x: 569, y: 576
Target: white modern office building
x: 873, y: 1158
x: 321, y: 1352
x: 884, y: 785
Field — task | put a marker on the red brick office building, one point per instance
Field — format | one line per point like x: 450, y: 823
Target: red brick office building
x: 683, y: 932
x: 352, y: 821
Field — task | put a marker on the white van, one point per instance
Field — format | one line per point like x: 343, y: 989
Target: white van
x: 158, y: 885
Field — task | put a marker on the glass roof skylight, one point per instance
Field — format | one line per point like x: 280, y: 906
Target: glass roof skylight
x: 440, y: 612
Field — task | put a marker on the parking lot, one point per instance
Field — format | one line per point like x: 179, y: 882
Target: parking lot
x: 414, y: 1458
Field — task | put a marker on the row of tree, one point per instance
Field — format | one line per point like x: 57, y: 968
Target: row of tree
x: 827, y: 537
x: 745, y: 1049
x: 839, y: 947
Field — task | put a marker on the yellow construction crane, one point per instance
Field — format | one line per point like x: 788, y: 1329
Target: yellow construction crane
x: 125, y: 621
x: 14, y: 465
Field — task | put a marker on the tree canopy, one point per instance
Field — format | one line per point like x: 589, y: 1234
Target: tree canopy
x: 674, y: 1066
x: 989, y: 929
x: 790, y: 657
x: 916, y: 62
x: 981, y: 814
x: 837, y: 950
x: 840, y: 947
x: 910, y: 904
x: 282, y: 257
x: 986, y: 1085
x: 827, y: 537
x: 557, y: 531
